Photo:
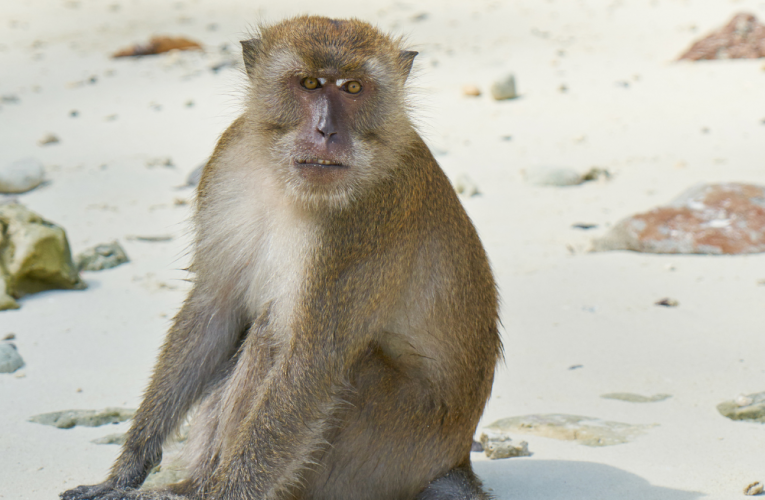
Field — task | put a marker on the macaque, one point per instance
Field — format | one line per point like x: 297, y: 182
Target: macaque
x: 340, y: 338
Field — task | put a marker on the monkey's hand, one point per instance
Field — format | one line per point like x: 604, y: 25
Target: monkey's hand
x: 92, y: 492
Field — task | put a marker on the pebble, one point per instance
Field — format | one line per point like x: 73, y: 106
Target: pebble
x: 497, y: 445
x: 504, y: 88
x: 471, y: 91
x: 10, y: 360
x: 667, y: 302
x: 552, y: 176
x: 88, y: 418
x: 164, y: 161
x: 49, y: 139
x: 712, y: 219
x: 9, y: 336
x: 588, y: 431
x: 756, y: 488
x: 104, y: 256
x: 21, y: 176
x: 750, y: 407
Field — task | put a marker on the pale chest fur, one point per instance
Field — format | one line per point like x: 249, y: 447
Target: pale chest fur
x: 256, y: 242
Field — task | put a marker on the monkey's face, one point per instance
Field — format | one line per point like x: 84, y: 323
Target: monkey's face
x: 330, y: 99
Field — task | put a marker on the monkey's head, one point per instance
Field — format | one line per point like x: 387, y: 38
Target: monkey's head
x: 328, y: 98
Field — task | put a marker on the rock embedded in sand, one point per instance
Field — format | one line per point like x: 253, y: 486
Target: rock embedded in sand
x: 10, y: 359
x: 34, y: 256
x: 104, y: 256
x: 588, y: 431
x: 158, y: 45
x: 713, y: 219
x: 504, y: 88
x: 635, y: 398
x: 118, y: 438
x: 756, y: 488
x: 544, y: 175
x: 497, y: 444
x: 88, y: 418
x: 21, y: 176
x: 750, y: 407
x: 471, y: 91
x: 742, y: 38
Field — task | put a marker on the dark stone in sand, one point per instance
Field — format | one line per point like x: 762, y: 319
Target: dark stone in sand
x: 88, y: 418
x: 742, y: 38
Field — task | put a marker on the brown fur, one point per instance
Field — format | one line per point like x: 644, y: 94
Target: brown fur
x: 341, y: 336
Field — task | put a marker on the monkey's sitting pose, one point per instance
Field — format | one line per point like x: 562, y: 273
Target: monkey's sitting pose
x: 341, y: 335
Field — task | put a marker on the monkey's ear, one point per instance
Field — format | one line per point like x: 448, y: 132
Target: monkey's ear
x: 249, y: 54
x: 406, y: 59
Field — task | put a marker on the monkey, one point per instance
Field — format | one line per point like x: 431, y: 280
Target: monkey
x: 340, y: 335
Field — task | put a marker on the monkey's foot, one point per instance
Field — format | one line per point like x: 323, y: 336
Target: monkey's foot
x: 92, y: 492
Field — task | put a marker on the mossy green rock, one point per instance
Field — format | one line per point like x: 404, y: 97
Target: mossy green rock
x: 34, y: 256
x: 750, y: 407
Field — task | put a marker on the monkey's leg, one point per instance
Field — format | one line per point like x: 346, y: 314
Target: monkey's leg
x: 459, y: 483
x: 286, y: 425
x: 203, y: 337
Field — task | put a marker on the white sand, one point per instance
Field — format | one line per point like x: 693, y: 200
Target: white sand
x: 560, y: 308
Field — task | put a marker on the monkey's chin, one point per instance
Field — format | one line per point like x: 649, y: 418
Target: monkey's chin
x: 321, y: 174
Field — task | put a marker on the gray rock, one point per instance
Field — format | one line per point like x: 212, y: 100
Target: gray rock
x: 21, y: 176
x: 552, y: 176
x: 497, y: 444
x: 118, y: 438
x: 34, y: 256
x: 635, y: 398
x: 88, y: 418
x: 504, y: 88
x: 162, y: 475
x: 588, y: 431
x: 49, y: 139
x: 104, y: 256
x: 750, y: 407
x: 10, y: 360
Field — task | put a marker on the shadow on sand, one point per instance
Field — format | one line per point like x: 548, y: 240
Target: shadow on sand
x: 565, y: 480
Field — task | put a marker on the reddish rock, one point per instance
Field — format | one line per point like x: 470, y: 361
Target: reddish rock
x: 157, y: 45
x: 709, y: 219
x: 742, y: 38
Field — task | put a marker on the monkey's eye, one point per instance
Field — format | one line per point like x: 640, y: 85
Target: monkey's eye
x: 310, y: 83
x: 352, y: 87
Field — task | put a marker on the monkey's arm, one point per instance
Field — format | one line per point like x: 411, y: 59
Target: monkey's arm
x: 289, y: 422
x: 201, y: 340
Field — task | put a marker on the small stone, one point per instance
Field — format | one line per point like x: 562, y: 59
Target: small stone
x: 118, y: 438
x: 10, y: 336
x: 753, y: 411
x: 10, y: 360
x: 756, y: 488
x: 471, y: 91
x: 596, y: 174
x: 21, y: 176
x: 88, y: 418
x: 504, y: 88
x: 584, y: 225
x: 10, y: 99
x: 465, y: 185
x: 712, y: 219
x: 588, y: 431
x: 49, y: 139
x: 104, y: 256
x: 152, y: 239
x: 497, y: 445
x: 667, y: 302
x: 74, y: 113
x: 476, y: 446
x: 552, y: 176
x: 635, y: 398
x: 416, y: 18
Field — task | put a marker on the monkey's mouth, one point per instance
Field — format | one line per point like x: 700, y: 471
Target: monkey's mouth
x: 318, y: 162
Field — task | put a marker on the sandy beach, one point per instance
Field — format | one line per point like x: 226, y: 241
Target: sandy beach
x: 599, y: 87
